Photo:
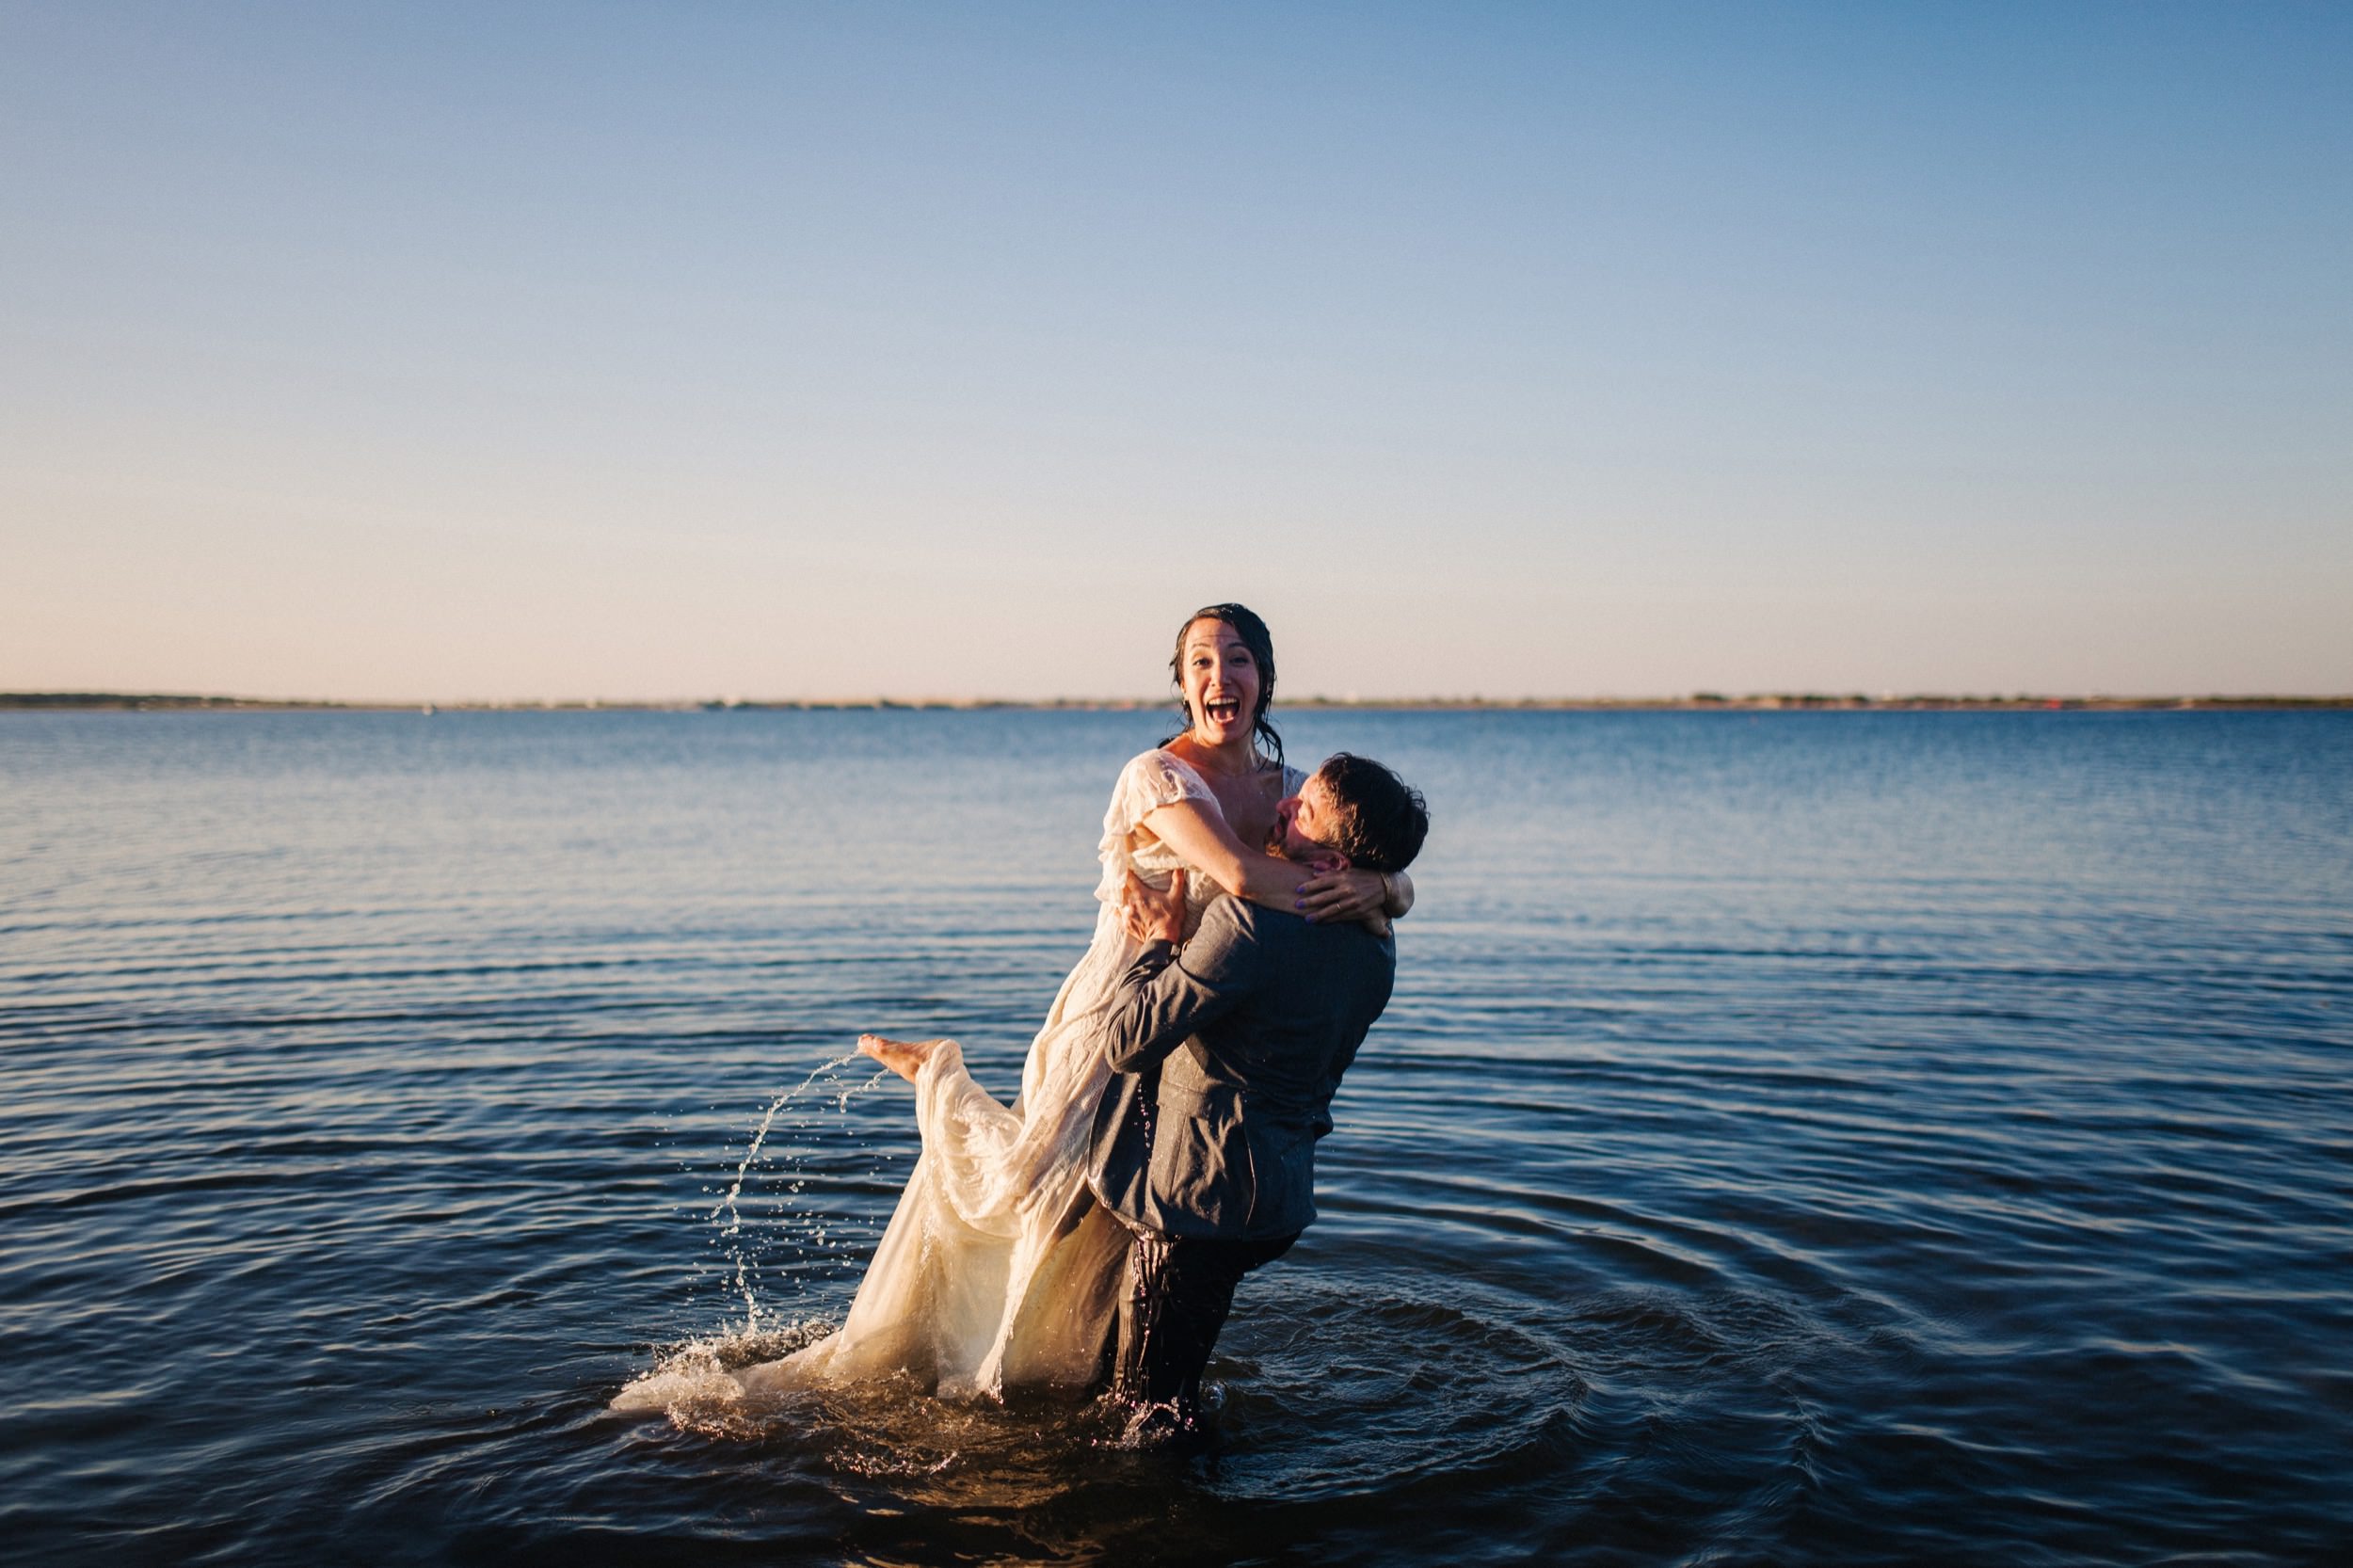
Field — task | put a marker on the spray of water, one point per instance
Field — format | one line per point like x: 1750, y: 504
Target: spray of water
x: 729, y: 1219
x: 694, y: 1382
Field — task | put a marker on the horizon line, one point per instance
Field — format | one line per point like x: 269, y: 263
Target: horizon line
x: 1700, y: 701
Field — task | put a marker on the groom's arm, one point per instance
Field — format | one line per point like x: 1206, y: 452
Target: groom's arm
x: 1167, y: 996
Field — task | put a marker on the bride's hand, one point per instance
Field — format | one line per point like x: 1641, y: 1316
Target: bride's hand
x: 1150, y: 916
x: 1343, y: 893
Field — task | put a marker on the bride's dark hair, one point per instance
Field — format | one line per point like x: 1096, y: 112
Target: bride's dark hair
x: 1254, y: 635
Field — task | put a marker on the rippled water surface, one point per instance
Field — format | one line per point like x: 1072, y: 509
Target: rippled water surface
x: 1800, y: 1138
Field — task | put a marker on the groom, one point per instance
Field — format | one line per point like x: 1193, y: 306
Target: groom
x: 1227, y: 1054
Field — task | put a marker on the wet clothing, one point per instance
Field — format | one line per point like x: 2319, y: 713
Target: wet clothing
x: 1225, y: 1057
x: 1179, y: 1294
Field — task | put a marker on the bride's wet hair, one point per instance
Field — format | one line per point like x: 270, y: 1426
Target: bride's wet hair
x: 1254, y: 636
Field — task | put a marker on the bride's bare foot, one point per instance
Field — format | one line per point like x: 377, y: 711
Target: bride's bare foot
x: 903, y: 1057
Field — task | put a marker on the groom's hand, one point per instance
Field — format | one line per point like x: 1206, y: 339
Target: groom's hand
x: 1152, y: 916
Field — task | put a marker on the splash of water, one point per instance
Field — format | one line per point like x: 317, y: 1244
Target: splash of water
x: 841, y: 1102
x: 759, y: 1135
x: 732, y: 1229
x: 695, y: 1382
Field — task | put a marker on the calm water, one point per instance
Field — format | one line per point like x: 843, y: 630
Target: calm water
x: 1808, y: 1138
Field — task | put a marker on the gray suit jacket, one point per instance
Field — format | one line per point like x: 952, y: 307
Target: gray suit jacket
x: 1225, y: 1060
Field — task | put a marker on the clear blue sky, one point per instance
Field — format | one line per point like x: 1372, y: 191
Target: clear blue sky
x: 414, y: 350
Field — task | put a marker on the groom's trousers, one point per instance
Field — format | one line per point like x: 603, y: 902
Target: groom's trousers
x: 1180, y: 1290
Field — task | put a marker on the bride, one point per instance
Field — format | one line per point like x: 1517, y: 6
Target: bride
x: 998, y: 1269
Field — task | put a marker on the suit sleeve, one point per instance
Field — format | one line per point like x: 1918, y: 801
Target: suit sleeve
x: 1165, y: 996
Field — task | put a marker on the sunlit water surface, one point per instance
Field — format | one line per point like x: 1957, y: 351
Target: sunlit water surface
x: 1800, y: 1138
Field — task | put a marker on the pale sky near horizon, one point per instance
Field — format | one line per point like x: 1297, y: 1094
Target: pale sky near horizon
x: 428, y: 351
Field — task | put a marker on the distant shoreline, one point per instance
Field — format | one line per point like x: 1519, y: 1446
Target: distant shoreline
x: 1697, y: 702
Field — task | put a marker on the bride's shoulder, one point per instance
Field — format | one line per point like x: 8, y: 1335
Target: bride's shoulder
x: 1158, y: 760
x: 1160, y: 777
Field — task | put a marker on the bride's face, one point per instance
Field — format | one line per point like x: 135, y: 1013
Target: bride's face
x: 1221, y: 681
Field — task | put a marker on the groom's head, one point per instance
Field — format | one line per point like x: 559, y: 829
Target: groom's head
x: 1354, y: 807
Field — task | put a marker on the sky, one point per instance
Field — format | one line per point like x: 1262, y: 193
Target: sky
x: 641, y: 352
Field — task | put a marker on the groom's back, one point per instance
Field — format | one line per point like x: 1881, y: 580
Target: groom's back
x: 1244, y: 1099
x: 1317, y: 991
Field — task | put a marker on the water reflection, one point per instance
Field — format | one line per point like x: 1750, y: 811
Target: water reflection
x: 1843, y: 1138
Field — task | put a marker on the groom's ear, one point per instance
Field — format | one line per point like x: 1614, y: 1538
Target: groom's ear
x: 1326, y: 861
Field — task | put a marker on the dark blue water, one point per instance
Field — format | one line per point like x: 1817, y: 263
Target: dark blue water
x: 1797, y: 1138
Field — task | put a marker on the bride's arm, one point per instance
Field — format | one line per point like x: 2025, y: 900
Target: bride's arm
x: 1202, y: 837
x: 1330, y: 896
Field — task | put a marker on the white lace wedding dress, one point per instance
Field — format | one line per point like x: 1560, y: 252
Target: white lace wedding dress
x: 998, y: 1269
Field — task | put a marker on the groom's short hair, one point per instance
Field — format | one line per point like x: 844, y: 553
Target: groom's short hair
x: 1381, y: 820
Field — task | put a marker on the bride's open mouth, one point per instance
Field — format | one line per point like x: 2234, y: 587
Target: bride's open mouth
x: 1221, y: 710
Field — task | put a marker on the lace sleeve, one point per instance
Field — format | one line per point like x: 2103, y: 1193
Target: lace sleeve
x: 1161, y: 779
x: 1149, y: 782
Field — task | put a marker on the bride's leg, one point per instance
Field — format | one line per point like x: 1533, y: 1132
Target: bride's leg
x: 971, y: 1140
x: 963, y: 1126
